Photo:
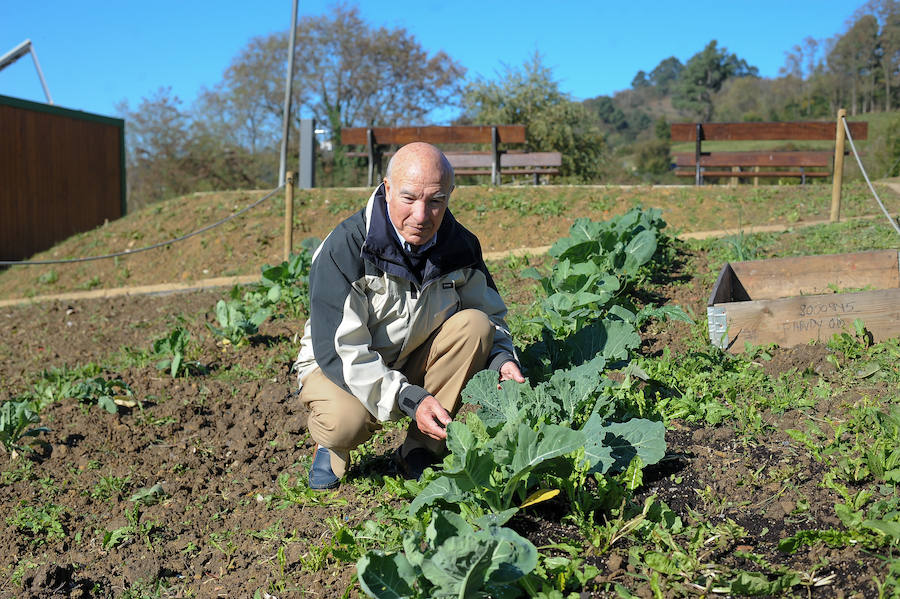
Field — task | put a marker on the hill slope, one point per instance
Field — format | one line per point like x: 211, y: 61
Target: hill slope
x: 504, y: 218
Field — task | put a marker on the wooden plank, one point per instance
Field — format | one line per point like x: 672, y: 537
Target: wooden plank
x: 798, y: 320
x: 757, y: 158
x: 512, y: 172
x: 509, y: 134
x: 754, y: 174
x: 802, y: 130
x: 811, y: 275
x: 538, y: 159
x: 470, y: 160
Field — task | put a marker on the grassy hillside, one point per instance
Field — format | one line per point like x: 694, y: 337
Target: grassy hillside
x: 504, y: 218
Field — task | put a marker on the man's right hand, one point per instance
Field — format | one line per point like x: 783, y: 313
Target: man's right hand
x: 432, y: 419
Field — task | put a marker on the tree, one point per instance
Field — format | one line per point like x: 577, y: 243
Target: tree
x: 530, y: 96
x: 887, y: 13
x: 665, y: 74
x: 853, y: 57
x: 347, y: 73
x: 703, y: 75
x: 640, y: 80
x: 156, y: 140
x: 169, y: 153
x: 610, y: 114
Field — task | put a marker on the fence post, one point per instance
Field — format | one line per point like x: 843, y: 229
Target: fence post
x: 837, y: 177
x: 288, y: 215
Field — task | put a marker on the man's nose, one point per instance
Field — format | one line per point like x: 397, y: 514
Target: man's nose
x: 418, y: 212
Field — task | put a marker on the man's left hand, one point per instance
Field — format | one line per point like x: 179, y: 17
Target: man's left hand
x: 510, y: 371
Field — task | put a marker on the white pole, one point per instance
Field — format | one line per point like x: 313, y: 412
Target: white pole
x: 37, y: 66
x: 287, y: 96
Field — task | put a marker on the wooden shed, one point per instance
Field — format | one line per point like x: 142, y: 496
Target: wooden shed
x: 791, y: 301
x: 62, y: 172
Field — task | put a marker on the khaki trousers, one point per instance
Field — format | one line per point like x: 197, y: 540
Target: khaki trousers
x: 442, y: 365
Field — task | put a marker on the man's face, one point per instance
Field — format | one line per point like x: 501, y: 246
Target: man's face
x: 417, y: 200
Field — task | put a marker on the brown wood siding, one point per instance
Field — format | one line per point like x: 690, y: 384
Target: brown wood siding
x: 60, y: 175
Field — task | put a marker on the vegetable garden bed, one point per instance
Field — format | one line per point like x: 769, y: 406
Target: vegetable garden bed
x: 778, y: 475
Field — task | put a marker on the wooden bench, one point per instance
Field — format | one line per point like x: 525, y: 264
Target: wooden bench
x: 700, y: 164
x: 495, y: 163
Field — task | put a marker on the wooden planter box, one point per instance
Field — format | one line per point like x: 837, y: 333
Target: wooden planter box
x: 791, y: 301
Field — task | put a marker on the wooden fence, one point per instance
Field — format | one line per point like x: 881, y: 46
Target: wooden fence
x: 61, y: 172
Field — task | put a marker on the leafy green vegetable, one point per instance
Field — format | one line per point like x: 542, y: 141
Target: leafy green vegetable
x: 457, y: 561
x: 238, y: 320
x: 15, y: 419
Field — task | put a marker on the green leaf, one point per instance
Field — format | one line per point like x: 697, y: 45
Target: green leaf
x: 459, y: 567
x: 889, y: 528
x: 442, y: 488
x: 661, y: 562
x: 497, y: 406
x: 385, y: 576
x: 615, y: 444
x: 445, y: 524
x: 176, y: 365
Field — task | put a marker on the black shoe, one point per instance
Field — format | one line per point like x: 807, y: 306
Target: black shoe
x: 321, y: 476
x: 415, y: 462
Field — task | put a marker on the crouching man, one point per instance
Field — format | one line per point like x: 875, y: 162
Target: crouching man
x: 403, y: 312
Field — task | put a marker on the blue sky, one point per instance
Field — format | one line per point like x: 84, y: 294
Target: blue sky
x: 95, y: 54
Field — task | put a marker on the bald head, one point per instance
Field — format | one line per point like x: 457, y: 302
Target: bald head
x: 422, y: 158
x: 417, y: 187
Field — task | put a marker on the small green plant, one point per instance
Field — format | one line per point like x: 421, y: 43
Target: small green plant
x: 238, y: 321
x: 16, y: 419
x: 42, y: 523
x: 286, y: 285
x: 171, y: 351
x: 102, y: 392
x: 144, y: 530
x: 48, y: 278
x: 109, y: 487
x: 740, y: 247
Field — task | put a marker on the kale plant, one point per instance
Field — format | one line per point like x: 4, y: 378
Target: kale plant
x: 452, y: 559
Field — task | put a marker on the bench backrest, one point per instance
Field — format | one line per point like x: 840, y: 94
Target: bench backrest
x: 802, y: 130
x: 463, y: 134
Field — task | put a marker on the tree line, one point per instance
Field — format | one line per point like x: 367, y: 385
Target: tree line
x: 350, y: 73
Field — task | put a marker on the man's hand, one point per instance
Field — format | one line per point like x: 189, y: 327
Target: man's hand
x: 510, y: 371
x: 432, y: 419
